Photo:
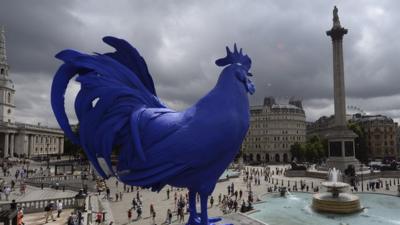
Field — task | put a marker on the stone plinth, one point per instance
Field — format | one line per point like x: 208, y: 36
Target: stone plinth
x: 341, y: 148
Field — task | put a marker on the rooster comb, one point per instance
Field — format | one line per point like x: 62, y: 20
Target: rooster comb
x: 234, y: 57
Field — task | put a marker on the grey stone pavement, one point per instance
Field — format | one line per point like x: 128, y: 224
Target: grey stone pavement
x: 31, y: 192
x: 39, y: 218
x: 117, y: 211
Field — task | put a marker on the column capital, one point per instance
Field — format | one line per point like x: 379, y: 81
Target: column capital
x: 337, y: 33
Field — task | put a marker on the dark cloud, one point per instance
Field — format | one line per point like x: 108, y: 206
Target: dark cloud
x: 180, y: 41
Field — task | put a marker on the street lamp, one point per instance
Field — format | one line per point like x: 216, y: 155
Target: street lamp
x: 362, y: 177
x: 80, y: 204
x: 80, y: 200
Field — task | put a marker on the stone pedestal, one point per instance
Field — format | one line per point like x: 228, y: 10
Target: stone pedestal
x: 341, y: 148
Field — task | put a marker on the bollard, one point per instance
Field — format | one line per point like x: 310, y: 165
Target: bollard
x: 398, y: 190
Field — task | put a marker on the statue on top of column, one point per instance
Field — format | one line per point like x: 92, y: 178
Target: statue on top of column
x: 336, y: 21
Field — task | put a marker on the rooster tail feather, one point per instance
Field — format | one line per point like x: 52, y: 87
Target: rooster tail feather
x: 60, y: 82
x: 113, y: 92
x: 58, y: 88
x: 128, y: 56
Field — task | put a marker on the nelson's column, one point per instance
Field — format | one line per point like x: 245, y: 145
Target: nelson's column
x: 340, y: 138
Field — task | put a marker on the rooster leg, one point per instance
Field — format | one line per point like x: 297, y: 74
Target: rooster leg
x: 204, y: 220
x: 203, y: 215
x: 192, y: 207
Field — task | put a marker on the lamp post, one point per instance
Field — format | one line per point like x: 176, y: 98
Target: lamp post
x: 80, y: 200
x: 362, y: 177
x: 80, y: 204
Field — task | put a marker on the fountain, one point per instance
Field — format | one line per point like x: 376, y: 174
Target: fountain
x: 335, y: 200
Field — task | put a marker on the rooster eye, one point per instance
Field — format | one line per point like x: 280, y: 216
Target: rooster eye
x: 249, y: 74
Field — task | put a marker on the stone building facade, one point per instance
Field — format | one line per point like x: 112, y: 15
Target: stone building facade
x: 380, y: 135
x: 273, y: 129
x: 16, y: 138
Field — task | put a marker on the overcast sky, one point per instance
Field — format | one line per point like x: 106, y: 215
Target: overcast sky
x: 180, y: 41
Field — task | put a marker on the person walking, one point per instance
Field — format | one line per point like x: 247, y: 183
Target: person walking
x: 169, y: 216
x: 152, y: 213
x: 59, y: 208
x: 134, y: 204
x: 49, y: 211
x: 7, y: 191
x: 129, y: 215
x: 139, y: 212
x: 99, y: 217
x: 73, y: 220
x: 108, y: 192
x: 167, y: 193
x: 20, y: 216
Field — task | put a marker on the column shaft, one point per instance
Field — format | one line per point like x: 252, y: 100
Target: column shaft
x: 12, y: 144
x: 6, y: 145
x: 30, y: 151
x: 339, y: 89
x: 61, y: 146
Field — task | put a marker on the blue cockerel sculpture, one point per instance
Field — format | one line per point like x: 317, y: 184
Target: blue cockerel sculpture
x: 119, y: 113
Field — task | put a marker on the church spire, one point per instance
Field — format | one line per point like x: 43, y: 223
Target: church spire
x: 3, y: 56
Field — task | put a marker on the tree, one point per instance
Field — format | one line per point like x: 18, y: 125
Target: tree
x: 71, y: 148
x: 312, y: 151
x: 360, y: 141
x: 298, y: 151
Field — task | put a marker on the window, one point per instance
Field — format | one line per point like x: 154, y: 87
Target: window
x: 348, y: 148
x: 9, y: 97
x: 335, y: 148
x: 2, y: 71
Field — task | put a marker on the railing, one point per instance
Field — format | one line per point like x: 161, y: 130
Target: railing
x: 65, y: 182
x: 53, y: 178
x: 39, y: 205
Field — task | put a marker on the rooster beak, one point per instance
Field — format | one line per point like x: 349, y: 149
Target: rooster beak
x: 249, y: 74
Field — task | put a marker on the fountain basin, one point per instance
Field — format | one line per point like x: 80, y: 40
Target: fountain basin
x: 296, y: 209
x: 337, y: 185
x: 343, y: 204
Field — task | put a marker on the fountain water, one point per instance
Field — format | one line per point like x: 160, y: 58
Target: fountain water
x: 335, y: 200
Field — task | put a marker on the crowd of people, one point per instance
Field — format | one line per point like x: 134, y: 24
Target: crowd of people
x: 238, y: 196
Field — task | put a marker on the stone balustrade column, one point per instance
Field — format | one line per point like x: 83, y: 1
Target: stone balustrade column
x: 12, y: 144
x: 30, y: 151
x: 61, y: 150
x: 5, y: 144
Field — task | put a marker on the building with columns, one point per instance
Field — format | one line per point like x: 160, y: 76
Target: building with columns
x: 18, y: 139
x: 274, y: 128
